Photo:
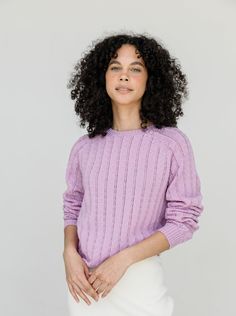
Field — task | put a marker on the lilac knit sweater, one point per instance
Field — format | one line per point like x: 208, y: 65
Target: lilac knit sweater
x: 128, y: 185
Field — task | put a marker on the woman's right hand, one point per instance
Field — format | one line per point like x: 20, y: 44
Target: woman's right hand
x: 77, y: 273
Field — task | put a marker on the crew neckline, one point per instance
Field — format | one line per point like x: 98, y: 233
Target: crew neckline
x: 136, y: 131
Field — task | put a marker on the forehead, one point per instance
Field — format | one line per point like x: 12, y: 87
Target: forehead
x: 129, y: 53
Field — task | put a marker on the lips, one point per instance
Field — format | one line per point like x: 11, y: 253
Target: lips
x: 123, y: 89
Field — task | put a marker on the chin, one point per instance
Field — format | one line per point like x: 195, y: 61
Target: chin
x: 124, y: 102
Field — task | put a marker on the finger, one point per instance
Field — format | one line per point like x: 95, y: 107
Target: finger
x: 107, y: 290
x: 84, y: 297
x: 73, y: 293
x: 92, y: 278
x: 97, y: 284
x: 101, y: 288
x: 86, y: 270
x: 81, y: 293
x: 87, y: 287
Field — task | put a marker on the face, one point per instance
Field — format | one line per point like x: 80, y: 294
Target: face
x: 126, y: 77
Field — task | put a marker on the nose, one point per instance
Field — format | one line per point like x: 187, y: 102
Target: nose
x: 123, y: 77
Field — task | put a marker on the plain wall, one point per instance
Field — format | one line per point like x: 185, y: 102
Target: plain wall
x: 40, y: 43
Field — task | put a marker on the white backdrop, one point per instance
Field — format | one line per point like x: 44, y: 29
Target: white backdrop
x: 40, y: 42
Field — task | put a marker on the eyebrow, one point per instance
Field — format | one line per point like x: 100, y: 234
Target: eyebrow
x: 133, y: 63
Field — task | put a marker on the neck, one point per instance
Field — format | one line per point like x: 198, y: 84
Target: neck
x: 124, y: 127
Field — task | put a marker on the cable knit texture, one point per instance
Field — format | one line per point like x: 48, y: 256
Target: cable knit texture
x: 128, y: 185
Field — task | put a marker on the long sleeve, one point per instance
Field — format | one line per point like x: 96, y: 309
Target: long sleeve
x: 73, y: 195
x: 125, y: 186
x: 183, y: 195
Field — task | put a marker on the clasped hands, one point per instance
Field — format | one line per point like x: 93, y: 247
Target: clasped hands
x: 108, y: 273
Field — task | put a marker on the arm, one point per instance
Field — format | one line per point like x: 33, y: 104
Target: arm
x: 151, y: 246
x: 72, y: 199
x: 70, y: 239
x: 183, y: 206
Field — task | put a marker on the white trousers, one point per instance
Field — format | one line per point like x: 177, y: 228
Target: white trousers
x: 141, y: 291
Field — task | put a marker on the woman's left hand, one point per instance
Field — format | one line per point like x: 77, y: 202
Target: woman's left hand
x: 108, y: 273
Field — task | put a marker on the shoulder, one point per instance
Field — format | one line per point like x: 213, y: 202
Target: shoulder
x: 79, y: 143
x: 173, y: 135
x: 177, y: 140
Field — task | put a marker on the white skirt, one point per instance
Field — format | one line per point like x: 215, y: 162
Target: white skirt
x: 141, y: 291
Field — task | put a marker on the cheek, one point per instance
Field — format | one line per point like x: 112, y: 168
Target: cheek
x: 109, y: 84
x: 109, y: 79
x: 140, y: 81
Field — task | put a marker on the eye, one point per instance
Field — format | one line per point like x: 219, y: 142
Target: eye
x: 136, y: 69
x: 112, y: 68
x: 133, y: 69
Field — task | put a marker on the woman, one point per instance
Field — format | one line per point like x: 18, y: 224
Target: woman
x: 133, y: 190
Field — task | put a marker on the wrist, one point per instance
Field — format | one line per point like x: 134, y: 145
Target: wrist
x: 70, y: 250
x: 126, y: 256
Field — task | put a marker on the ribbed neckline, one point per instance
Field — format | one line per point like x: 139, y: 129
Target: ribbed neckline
x: 131, y: 132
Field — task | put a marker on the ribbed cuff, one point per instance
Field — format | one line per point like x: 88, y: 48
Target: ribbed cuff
x: 70, y: 222
x: 175, y: 233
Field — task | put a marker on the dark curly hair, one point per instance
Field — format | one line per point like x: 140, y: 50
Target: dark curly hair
x: 166, y: 85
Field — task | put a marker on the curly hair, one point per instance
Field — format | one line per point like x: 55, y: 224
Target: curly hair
x: 162, y: 100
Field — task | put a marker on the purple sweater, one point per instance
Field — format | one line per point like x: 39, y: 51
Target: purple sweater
x: 128, y: 185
